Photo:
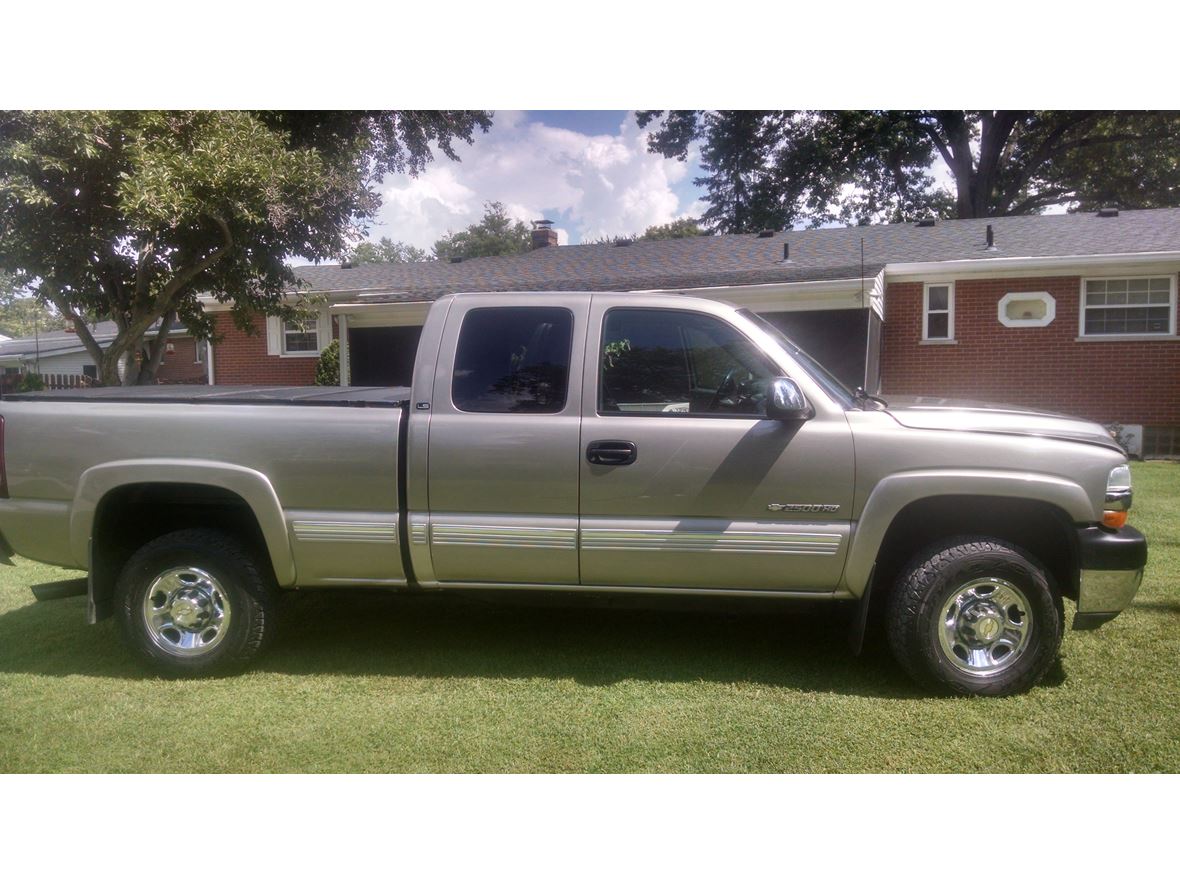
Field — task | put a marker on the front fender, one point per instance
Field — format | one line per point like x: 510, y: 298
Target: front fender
x: 899, y: 490
x: 250, y: 485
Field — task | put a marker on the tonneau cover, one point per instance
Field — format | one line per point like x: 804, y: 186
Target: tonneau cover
x: 362, y: 397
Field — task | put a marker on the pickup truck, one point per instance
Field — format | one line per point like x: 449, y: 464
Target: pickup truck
x: 591, y: 442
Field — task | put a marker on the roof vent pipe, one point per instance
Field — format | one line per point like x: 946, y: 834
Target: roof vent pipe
x: 786, y: 251
x: 991, y: 240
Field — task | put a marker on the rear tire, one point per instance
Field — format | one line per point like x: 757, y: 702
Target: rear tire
x: 977, y: 616
x: 195, y: 603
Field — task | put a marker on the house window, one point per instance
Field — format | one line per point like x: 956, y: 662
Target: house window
x: 1161, y: 442
x: 298, y: 338
x: 1027, y: 309
x: 1132, y: 306
x: 938, y: 312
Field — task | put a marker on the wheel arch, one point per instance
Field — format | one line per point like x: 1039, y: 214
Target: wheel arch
x: 1034, y: 511
x: 106, y: 516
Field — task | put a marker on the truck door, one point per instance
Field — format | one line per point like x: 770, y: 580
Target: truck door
x: 684, y: 482
x: 504, y: 441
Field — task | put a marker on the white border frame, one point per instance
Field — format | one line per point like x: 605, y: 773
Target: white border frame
x: 950, y: 312
x: 1131, y: 336
x: 1050, y: 310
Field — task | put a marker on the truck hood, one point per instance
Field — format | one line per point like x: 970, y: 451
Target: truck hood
x: 935, y: 413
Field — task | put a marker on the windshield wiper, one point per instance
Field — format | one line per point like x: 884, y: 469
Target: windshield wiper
x: 861, y: 396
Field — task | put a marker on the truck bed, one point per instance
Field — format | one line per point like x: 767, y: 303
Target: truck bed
x: 360, y: 397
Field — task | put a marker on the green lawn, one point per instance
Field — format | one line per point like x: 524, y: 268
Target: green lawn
x: 369, y: 682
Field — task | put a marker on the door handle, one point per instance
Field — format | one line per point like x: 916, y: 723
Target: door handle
x: 614, y: 452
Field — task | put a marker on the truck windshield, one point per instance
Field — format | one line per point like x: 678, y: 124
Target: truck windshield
x: 832, y: 386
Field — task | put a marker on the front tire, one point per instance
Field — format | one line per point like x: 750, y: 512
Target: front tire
x: 977, y: 616
x: 195, y: 603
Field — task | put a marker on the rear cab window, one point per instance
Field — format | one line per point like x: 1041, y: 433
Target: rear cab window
x: 513, y: 359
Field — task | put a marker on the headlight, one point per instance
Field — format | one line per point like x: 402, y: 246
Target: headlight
x: 1118, y: 497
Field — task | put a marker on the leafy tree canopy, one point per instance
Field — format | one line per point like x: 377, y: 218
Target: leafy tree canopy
x: 674, y: 230
x: 130, y: 214
x: 496, y: 233
x: 386, y: 251
x: 773, y: 169
x: 21, y: 315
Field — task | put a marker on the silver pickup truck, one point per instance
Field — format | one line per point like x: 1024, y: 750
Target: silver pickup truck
x: 593, y: 442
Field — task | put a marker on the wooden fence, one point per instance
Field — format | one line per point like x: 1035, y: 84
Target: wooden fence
x: 49, y: 380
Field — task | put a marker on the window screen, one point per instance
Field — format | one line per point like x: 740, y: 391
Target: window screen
x: 939, y: 307
x: 673, y: 362
x: 1128, y: 307
x: 513, y: 359
x: 299, y: 339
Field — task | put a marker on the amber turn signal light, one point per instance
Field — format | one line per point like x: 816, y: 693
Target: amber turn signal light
x: 1114, y: 519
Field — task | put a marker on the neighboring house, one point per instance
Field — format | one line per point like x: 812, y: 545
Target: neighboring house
x: 1074, y: 313
x: 59, y: 351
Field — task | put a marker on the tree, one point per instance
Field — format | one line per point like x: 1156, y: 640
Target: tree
x: 495, y: 234
x: 129, y: 215
x: 674, y: 230
x: 21, y: 315
x: 386, y: 251
x: 771, y: 169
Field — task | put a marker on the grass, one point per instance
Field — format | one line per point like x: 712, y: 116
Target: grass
x: 372, y: 682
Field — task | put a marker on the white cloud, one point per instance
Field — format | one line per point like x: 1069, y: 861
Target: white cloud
x: 600, y: 184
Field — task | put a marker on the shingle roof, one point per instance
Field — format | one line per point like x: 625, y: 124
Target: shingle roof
x: 747, y: 259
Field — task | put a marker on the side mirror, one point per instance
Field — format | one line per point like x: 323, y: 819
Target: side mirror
x: 786, y: 402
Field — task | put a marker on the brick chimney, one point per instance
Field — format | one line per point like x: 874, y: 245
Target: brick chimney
x: 544, y: 234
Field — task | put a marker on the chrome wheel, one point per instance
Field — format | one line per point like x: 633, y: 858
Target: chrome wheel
x: 984, y: 626
x: 186, y: 612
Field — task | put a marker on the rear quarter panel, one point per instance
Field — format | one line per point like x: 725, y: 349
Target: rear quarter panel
x: 332, y: 469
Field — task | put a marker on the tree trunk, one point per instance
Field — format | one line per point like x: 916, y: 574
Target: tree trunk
x: 148, y: 370
x: 108, y: 368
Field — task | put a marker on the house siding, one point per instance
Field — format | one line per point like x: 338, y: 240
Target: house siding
x: 241, y: 358
x: 1132, y: 382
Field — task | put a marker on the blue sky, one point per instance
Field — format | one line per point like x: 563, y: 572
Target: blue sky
x: 587, y: 170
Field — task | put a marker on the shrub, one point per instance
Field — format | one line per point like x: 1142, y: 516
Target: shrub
x: 327, y: 368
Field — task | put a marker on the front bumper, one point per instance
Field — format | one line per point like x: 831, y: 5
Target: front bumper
x: 1111, y: 571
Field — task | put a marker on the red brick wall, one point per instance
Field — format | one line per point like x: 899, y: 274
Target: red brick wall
x: 181, y: 366
x: 239, y: 358
x: 1134, y: 382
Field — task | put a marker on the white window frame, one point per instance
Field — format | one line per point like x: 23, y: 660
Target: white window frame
x: 950, y: 313
x: 1050, y: 310
x: 276, y: 337
x: 1129, y: 336
x: 310, y: 329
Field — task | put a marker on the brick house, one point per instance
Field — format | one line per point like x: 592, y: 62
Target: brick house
x: 1073, y: 313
